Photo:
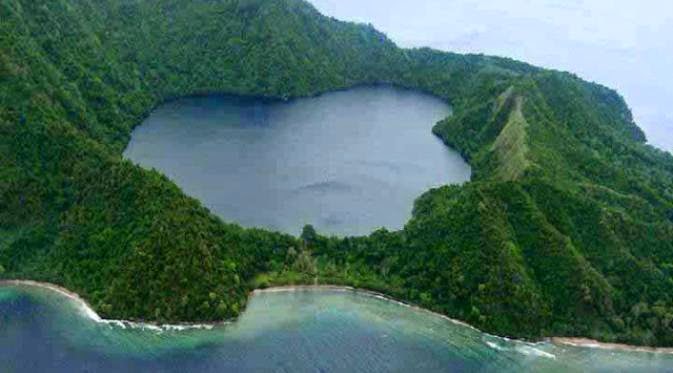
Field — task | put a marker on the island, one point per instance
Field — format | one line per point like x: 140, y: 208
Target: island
x: 565, y: 229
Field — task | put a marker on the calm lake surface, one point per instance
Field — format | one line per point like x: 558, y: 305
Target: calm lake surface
x: 305, y: 331
x: 347, y: 162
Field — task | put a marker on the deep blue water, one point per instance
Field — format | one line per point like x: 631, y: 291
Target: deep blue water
x: 306, y: 331
x: 347, y: 162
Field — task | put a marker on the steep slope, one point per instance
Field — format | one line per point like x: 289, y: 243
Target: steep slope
x: 562, y: 231
x: 566, y: 228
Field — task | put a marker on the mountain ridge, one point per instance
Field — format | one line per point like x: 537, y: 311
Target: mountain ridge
x: 566, y: 228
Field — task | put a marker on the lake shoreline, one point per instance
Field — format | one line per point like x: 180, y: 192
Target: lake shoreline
x: 558, y: 341
x: 328, y: 192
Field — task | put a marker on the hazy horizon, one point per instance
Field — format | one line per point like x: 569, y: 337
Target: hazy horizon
x: 627, y: 47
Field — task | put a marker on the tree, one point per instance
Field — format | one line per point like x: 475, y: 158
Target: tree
x: 308, y: 235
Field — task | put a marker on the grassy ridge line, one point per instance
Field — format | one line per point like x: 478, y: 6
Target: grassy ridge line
x: 510, y: 145
x: 578, y: 243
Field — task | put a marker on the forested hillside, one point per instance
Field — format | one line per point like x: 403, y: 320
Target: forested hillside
x: 565, y: 229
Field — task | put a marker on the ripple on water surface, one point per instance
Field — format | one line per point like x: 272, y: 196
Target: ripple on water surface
x: 347, y: 162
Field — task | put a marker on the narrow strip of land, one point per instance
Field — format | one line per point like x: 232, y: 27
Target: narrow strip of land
x: 591, y: 343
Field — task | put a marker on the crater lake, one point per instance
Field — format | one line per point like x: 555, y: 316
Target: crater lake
x: 347, y: 162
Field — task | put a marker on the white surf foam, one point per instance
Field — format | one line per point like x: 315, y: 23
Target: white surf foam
x: 89, y: 313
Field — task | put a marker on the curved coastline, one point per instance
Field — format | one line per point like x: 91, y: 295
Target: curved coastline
x: 592, y: 343
x: 89, y: 312
x: 558, y: 341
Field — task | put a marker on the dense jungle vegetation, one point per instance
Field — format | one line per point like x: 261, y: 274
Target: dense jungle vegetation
x: 565, y: 229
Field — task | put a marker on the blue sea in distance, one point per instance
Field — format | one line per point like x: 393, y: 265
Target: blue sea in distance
x: 625, y: 45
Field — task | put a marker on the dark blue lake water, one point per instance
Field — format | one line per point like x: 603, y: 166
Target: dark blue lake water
x: 347, y: 162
